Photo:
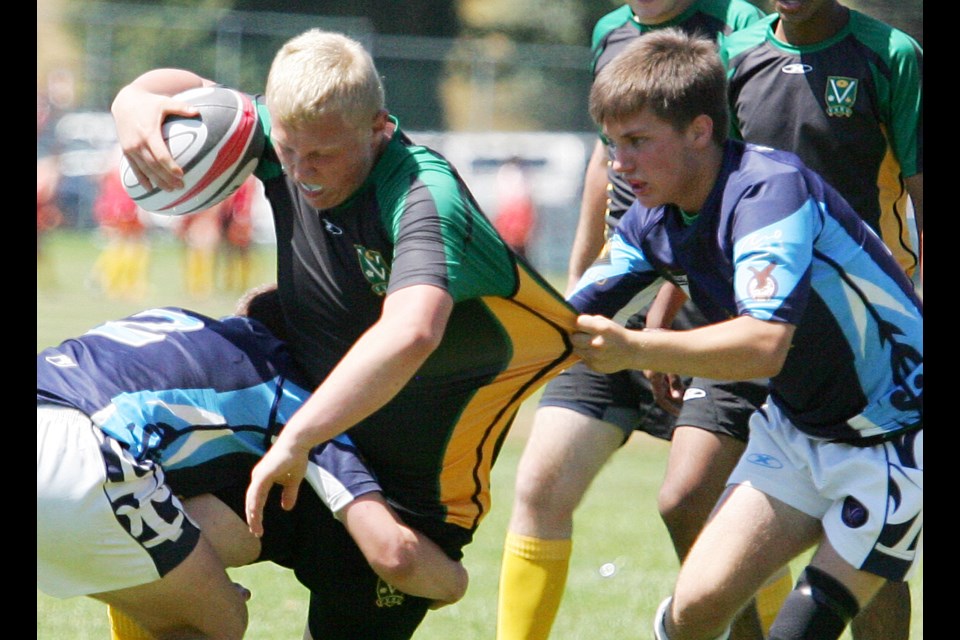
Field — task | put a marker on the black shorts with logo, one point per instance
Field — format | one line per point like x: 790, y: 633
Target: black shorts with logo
x: 347, y: 599
x: 625, y: 398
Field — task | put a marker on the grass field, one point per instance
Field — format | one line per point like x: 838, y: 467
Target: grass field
x: 617, y: 522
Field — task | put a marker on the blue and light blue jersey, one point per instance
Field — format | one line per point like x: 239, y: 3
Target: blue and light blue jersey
x: 773, y: 241
x: 201, y: 397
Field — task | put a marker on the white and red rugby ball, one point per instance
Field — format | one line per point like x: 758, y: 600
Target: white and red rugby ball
x: 217, y: 151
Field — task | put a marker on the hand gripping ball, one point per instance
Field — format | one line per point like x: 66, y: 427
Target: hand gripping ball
x: 217, y: 151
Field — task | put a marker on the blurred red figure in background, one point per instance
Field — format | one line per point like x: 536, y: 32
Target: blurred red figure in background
x: 49, y: 216
x: 200, y: 233
x: 236, y: 223
x: 516, y: 211
x: 121, y: 268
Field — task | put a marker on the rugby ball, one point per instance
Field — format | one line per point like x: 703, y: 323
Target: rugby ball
x: 217, y: 151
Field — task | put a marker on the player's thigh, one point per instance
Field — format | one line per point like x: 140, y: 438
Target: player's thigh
x: 862, y: 584
x: 700, y: 461
x: 748, y: 538
x: 197, y: 597
x: 709, y: 438
x: 564, y: 452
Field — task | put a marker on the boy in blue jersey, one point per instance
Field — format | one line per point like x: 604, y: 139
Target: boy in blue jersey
x: 798, y: 289
x: 145, y: 442
x: 844, y: 91
x: 584, y: 417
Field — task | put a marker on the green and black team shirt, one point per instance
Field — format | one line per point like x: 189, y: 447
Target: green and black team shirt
x: 714, y: 19
x: 414, y: 221
x: 850, y: 107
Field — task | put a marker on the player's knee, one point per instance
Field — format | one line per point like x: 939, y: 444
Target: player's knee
x: 818, y: 607
x: 542, y: 501
x: 683, y: 510
x: 702, y: 609
x: 669, y: 503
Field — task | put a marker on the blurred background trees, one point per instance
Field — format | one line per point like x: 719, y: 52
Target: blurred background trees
x: 448, y: 64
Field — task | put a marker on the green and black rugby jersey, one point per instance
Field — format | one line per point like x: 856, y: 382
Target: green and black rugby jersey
x: 714, y: 19
x: 414, y: 221
x: 851, y: 108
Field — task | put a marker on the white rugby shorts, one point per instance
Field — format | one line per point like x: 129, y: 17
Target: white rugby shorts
x: 869, y: 499
x: 104, y: 520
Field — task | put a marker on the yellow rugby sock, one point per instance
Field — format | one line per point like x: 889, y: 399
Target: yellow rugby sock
x: 770, y: 597
x: 123, y: 627
x: 532, y: 579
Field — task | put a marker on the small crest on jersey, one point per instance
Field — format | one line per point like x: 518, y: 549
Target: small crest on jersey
x: 841, y: 95
x: 762, y: 285
x: 387, y: 595
x: 374, y: 267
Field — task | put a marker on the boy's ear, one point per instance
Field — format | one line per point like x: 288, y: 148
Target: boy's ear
x: 700, y: 130
x: 380, y: 120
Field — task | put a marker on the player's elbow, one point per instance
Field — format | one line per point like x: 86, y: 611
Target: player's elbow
x: 773, y: 346
x: 417, y: 340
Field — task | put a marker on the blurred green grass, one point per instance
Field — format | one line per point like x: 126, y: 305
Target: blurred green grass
x: 617, y: 522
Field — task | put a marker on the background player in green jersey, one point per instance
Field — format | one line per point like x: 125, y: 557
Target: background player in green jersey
x: 844, y: 91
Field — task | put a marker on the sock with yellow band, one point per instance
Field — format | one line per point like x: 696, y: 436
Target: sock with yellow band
x: 770, y: 597
x: 532, y: 580
x: 123, y: 627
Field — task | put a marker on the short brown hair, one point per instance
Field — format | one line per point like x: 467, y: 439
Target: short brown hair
x: 679, y: 76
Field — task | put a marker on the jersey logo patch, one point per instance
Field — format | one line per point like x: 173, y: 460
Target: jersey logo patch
x: 841, y: 95
x: 387, y: 595
x: 61, y: 360
x: 331, y: 228
x: 762, y: 285
x: 797, y: 68
x: 375, y: 269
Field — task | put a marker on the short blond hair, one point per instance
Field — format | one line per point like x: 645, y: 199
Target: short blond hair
x: 320, y: 72
x: 677, y: 75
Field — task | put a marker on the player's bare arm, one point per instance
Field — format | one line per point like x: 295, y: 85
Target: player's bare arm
x: 378, y: 365
x: 591, y: 226
x: 138, y: 111
x: 667, y: 387
x: 738, y: 349
x: 411, y: 561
